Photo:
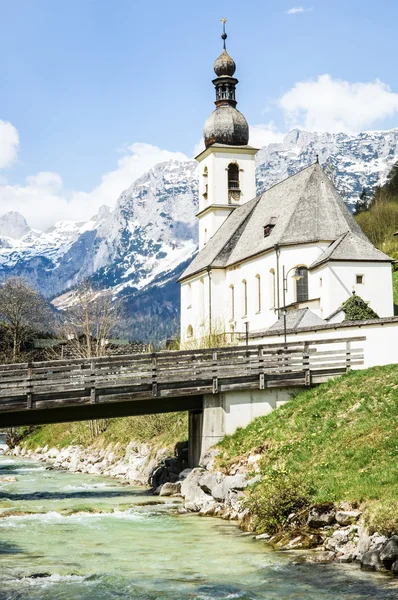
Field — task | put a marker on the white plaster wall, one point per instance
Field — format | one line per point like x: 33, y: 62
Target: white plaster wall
x: 339, y: 281
x: 216, y: 162
x: 244, y: 406
x: 380, y: 346
x: 211, y: 222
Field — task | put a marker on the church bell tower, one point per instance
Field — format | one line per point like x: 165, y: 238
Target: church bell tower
x: 227, y: 165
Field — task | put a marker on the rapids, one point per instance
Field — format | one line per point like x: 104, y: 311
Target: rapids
x: 77, y: 537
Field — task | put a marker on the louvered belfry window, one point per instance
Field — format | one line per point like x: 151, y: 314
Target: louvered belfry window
x: 302, y: 285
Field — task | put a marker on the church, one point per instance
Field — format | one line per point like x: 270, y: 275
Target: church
x: 296, y: 246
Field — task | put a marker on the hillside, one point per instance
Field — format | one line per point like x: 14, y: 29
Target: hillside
x: 337, y: 442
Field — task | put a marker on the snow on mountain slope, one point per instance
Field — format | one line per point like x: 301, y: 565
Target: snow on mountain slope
x: 152, y: 230
x: 352, y: 161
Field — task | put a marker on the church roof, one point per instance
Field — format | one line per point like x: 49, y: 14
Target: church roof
x: 296, y: 319
x: 303, y: 208
x: 350, y: 247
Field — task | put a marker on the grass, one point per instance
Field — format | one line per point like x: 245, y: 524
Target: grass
x: 341, y: 437
x: 162, y: 430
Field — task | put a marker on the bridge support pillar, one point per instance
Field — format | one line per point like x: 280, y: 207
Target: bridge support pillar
x: 195, y: 425
x: 214, y: 420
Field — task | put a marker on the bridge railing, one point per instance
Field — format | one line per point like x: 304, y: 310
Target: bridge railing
x: 171, y: 374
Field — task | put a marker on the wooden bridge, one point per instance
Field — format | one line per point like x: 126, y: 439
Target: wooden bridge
x: 114, y: 386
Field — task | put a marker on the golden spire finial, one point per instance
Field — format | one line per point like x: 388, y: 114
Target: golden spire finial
x: 224, y: 35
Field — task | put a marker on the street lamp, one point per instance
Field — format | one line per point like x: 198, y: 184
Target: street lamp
x: 296, y: 276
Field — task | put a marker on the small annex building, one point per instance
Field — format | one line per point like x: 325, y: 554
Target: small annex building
x: 295, y: 246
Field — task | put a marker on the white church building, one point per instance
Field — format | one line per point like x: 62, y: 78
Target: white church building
x: 294, y: 246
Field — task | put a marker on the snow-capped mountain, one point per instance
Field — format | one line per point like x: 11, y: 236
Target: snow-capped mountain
x: 151, y: 230
x: 352, y: 161
x: 141, y: 245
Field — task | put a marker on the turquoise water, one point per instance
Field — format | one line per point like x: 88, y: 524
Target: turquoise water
x: 54, y: 545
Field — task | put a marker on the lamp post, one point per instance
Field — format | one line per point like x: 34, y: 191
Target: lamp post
x: 296, y: 276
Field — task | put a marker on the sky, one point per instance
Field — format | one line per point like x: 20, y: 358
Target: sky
x: 95, y: 92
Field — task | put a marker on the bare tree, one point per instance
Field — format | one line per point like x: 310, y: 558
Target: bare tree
x: 22, y: 309
x: 90, y: 320
x: 87, y: 325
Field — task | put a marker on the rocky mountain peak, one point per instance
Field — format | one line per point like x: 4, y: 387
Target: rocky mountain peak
x: 13, y: 225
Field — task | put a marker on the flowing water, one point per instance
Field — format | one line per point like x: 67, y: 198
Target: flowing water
x: 76, y: 537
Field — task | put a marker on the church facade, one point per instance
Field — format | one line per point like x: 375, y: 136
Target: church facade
x: 295, y: 246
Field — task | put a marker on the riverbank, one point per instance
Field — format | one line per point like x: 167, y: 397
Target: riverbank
x: 321, y: 473
x: 73, y: 536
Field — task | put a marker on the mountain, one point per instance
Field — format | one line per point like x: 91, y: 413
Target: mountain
x: 352, y: 161
x: 138, y: 249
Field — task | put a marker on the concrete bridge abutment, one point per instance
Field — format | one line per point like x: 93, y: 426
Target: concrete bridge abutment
x: 224, y: 412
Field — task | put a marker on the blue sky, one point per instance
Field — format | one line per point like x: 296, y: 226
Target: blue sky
x: 94, y: 91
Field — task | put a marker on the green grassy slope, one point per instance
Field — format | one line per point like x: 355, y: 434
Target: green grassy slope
x: 338, y: 441
x: 163, y: 430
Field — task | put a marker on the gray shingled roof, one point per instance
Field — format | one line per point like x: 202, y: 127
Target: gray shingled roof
x: 305, y: 207
x: 351, y: 247
x: 296, y: 319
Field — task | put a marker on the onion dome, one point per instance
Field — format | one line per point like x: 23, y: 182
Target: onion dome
x: 224, y: 65
x: 226, y: 125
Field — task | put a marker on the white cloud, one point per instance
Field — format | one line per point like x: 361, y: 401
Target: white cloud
x: 264, y: 134
x: 297, y: 10
x: 9, y: 143
x: 43, y: 201
x: 333, y: 105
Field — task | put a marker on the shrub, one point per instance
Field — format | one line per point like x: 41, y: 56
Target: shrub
x: 276, y: 497
x: 356, y: 309
x: 382, y: 517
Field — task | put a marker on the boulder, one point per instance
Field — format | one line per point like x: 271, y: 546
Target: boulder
x: 184, y: 474
x: 169, y: 489
x: 231, y: 483
x: 347, y: 517
x: 323, y: 557
x: 395, y: 568
x: 389, y: 552
x: 320, y: 516
x: 193, y: 494
x: 209, y: 481
x: 371, y: 561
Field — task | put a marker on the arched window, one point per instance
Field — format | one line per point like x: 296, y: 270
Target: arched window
x: 189, y: 331
x: 302, y: 284
x: 258, y: 285
x: 233, y: 176
x: 189, y: 295
x: 201, y: 300
x: 231, y: 287
x: 272, y: 289
x: 205, y: 172
x: 244, y: 297
x: 205, y: 237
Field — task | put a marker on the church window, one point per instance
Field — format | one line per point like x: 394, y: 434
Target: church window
x: 205, y: 172
x: 272, y: 289
x: 258, y: 285
x: 189, y: 296
x: 231, y: 287
x: 302, y: 284
x: 189, y: 331
x: 202, y: 300
x: 205, y: 237
x: 233, y: 176
x: 244, y: 297
x: 360, y: 279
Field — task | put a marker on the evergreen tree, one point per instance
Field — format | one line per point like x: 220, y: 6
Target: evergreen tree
x: 362, y: 203
x: 356, y: 309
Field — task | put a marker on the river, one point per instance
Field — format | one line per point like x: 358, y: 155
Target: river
x: 77, y: 537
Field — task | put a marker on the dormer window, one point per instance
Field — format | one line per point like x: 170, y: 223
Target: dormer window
x: 269, y: 227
